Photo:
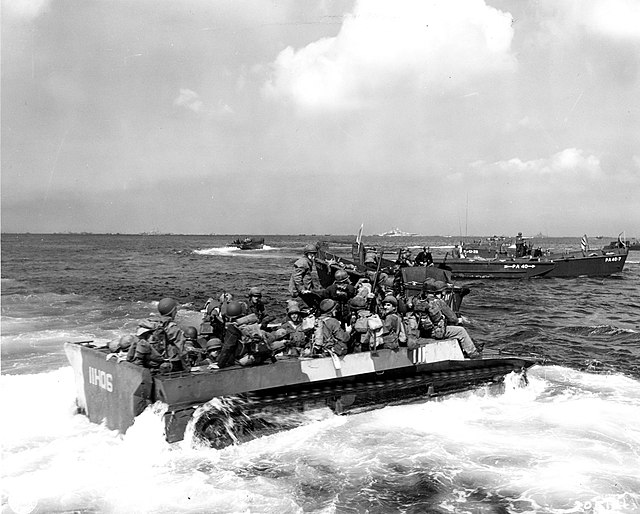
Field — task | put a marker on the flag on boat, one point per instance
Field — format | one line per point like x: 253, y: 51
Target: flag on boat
x: 584, y: 244
x: 359, y: 238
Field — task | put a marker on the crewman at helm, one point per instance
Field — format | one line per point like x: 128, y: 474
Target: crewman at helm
x: 301, y: 283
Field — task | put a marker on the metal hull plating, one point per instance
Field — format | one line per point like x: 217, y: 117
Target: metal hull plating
x: 575, y: 264
x: 115, y: 393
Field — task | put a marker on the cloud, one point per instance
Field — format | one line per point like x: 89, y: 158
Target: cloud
x: 613, y: 18
x: 393, y: 45
x: 189, y: 100
x: 568, y: 162
x: 24, y: 9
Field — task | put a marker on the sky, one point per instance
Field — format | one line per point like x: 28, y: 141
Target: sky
x: 314, y: 117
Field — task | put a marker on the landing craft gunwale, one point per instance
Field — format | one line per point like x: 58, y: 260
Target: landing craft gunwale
x: 125, y: 390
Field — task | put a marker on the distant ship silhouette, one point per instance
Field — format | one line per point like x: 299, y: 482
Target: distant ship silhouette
x: 396, y: 232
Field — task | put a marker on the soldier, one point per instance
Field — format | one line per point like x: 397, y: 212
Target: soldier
x: 424, y: 257
x: 160, y: 341
x: 342, y: 290
x: 298, y: 337
x: 391, y: 328
x: 256, y: 306
x: 358, y: 326
x: 301, y: 283
x: 446, y: 325
x: 328, y: 336
x: 232, y: 347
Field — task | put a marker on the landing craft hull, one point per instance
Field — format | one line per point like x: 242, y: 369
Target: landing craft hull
x: 507, y: 268
x: 249, y: 244
x: 115, y: 393
x: 576, y: 264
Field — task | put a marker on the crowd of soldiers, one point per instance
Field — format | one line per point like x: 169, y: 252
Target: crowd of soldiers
x: 354, y: 314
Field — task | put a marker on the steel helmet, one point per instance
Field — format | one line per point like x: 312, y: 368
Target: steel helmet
x: 440, y: 286
x: 255, y: 291
x: 126, y: 341
x: 327, y: 305
x: 310, y: 248
x: 390, y: 299
x: 341, y: 276
x: 293, y: 307
x: 166, y: 306
x: 191, y: 333
x: 234, y: 309
x: 214, y: 344
x: 114, y: 346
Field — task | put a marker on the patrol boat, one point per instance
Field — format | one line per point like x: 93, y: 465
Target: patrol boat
x: 230, y: 405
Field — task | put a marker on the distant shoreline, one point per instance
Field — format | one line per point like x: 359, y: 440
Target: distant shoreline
x: 368, y: 236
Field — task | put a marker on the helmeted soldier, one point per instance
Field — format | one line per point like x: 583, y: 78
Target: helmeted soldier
x: 342, y: 290
x: 301, y: 283
x: 293, y: 326
x: 256, y: 306
x: 232, y: 347
x: 446, y: 325
x: 391, y: 328
x: 160, y: 341
x: 329, y: 336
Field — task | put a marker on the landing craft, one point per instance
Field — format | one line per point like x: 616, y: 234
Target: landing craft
x: 505, y: 259
x: 114, y: 392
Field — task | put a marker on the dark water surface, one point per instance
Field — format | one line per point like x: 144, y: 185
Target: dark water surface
x: 569, y: 442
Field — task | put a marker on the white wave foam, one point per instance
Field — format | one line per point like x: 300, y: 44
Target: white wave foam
x: 232, y: 250
x: 568, y: 438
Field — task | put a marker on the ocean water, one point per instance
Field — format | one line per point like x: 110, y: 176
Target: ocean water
x: 569, y: 442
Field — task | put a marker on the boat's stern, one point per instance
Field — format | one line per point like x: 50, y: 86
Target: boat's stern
x: 107, y: 390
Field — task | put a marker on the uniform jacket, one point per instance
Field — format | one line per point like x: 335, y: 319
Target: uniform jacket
x: 232, y: 347
x: 332, y: 332
x: 301, y: 276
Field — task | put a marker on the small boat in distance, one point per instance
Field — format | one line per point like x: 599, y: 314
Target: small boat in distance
x: 249, y: 243
x: 629, y: 244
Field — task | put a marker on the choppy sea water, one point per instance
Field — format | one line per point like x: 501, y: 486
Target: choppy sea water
x: 569, y: 442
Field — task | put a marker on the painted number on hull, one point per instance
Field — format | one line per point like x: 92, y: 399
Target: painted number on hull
x: 101, y: 379
x: 519, y: 266
x: 612, y: 259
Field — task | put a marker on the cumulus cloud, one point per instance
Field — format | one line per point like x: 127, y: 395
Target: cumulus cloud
x: 382, y: 45
x: 571, y: 161
x: 189, y: 100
